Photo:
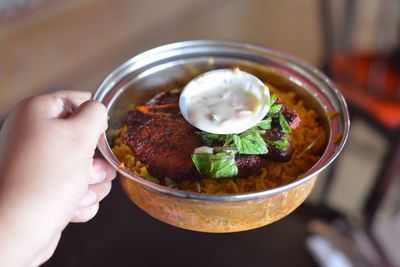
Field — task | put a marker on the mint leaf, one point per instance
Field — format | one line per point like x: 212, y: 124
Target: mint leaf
x: 225, y: 166
x: 281, y: 144
x: 274, y: 107
x: 249, y: 142
x: 265, y: 124
x: 274, y: 110
x: 272, y: 100
x: 237, y: 141
x: 217, y: 165
x: 284, y: 124
x: 209, y: 138
x: 252, y: 143
x: 232, y: 140
x: 228, y: 140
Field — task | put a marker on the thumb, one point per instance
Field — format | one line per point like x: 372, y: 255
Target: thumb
x: 90, y: 119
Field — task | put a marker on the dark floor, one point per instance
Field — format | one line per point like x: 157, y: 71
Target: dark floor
x: 123, y: 235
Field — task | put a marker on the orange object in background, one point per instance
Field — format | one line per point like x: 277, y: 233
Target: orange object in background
x: 371, y: 83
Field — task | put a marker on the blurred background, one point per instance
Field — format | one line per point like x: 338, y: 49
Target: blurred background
x: 50, y: 45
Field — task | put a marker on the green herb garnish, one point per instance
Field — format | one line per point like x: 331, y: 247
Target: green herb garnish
x: 280, y: 144
x: 222, y: 163
x: 272, y: 100
x: 274, y: 108
x: 209, y: 138
x: 265, y: 124
x: 284, y: 124
x: 219, y: 165
x: 250, y: 143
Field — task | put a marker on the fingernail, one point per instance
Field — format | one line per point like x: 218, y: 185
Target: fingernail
x: 88, y: 199
x: 98, y: 176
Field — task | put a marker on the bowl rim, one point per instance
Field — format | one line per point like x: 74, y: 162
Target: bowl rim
x: 144, y: 58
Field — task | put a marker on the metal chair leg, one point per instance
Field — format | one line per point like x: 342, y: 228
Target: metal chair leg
x: 388, y: 169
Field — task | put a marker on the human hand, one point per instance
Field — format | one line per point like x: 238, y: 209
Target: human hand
x: 48, y: 174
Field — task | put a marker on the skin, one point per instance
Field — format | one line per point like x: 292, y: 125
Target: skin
x: 49, y: 176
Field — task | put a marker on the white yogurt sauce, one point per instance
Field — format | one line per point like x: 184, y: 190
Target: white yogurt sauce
x: 224, y: 101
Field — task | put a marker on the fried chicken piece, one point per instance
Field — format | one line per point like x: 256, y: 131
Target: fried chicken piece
x: 162, y: 142
x: 248, y: 165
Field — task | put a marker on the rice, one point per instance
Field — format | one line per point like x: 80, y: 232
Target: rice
x: 308, y: 140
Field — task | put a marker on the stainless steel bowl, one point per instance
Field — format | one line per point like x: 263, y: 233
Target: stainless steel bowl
x: 173, y: 65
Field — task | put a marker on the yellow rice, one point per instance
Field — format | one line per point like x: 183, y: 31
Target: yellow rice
x: 272, y: 173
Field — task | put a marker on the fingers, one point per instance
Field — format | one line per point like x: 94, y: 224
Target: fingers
x: 101, y: 171
x: 95, y: 193
x: 67, y: 102
x: 90, y: 118
x: 90, y: 201
x: 53, y: 106
x: 77, y: 98
x: 83, y: 115
x: 86, y: 213
x: 75, y: 106
x: 99, y: 187
x: 100, y: 190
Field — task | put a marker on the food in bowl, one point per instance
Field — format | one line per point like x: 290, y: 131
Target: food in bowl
x: 298, y: 85
x: 159, y: 145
